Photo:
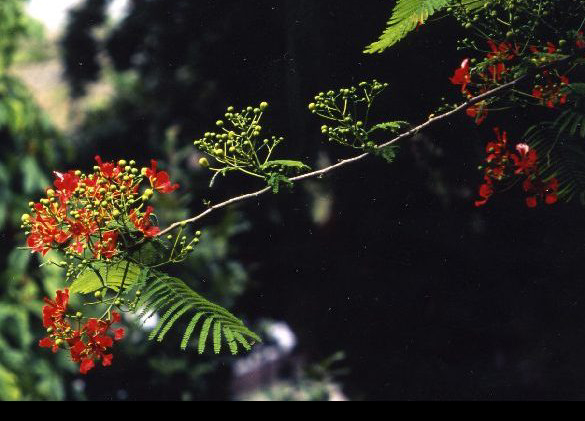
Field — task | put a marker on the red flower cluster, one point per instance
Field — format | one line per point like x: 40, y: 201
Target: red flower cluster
x: 552, y: 92
x: 502, y: 164
x: 159, y: 180
x: 88, y: 343
x: 462, y: 76
x: 497, y: 61
x: 498, y: 55
x: 78, y: 213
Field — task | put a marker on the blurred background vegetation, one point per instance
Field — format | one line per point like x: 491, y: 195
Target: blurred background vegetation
x: 378, y: 282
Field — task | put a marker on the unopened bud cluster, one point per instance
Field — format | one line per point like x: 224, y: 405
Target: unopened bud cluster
x: 347, y: 111
x: 238, y: 144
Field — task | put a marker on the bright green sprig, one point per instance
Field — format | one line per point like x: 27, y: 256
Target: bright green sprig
x: 239, y: 146
x: 347, y: 112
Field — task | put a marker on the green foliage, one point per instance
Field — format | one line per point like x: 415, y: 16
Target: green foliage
x: 172, y: 298
x: 406, y: 16
x: 390, y: 126
x: 347, y: 112
x: 238, y: 147
x: 560, y: 146
x: 409, y: 14
x: 387, y: 153
x: 12, y: 26
x: 561, y: 155
x: 97, y: 276
x: 276, y: 181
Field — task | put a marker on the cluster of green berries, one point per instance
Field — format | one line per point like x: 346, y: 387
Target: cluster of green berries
x: 347, y: 111
x: 181, y: 246
x: 130, y: 304
x: 238, y: 144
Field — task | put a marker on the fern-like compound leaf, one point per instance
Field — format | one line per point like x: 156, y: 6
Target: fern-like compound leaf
x: 406, y: 16
x: 171, y: 322
x: 164, y: 318
x: 561, y: 155
x: 172, y: 299
x: 231, y: 341
x: 217, y: 337
x: 189, y: 330
x: 409, y: 14
x: 203, y: 335
x: 111, y: 275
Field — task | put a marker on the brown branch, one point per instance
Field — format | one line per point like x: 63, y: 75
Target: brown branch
x: 345, y: 162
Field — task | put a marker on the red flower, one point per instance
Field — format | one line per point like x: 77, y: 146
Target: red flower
x: 550, y: 48
x: 485, y: 191
x: 160, y: 181
x: 500, y: 53
x: 45, y: 227
x: 478, y: 112
x: 551, y: 93
x: 497, y: 149
x: 538, y: 189
x: 59, y: 329
x: 65, y: 184
x: 36, y: 242
x: 108, y: 169
x: 107, y: 247
x: 98, y: 342
x: 143, y: 224
x: 55, y: 310
x: 462, y: 76
x: 526, y: 162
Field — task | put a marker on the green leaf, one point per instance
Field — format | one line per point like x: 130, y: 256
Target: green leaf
x: 285, y: 163
x: 110, y: 276
x: 9, y: 389
x: 561, y: 155
x: 203, y: 335
x: 231, y: 341
x: 217, y: 337
x: 190, y: 329
x: 387, y: 153
x: 151, y: 252
x: 406, y: 16
x: 172, y: 298
x: 389, y: 126
x: 276, y: 180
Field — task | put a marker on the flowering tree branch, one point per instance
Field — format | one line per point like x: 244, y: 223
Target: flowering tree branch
x: 344, y: 162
